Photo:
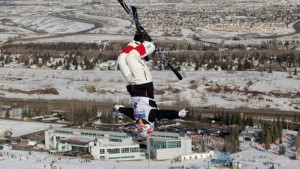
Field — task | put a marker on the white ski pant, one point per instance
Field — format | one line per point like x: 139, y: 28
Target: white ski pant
x: 132, y: 66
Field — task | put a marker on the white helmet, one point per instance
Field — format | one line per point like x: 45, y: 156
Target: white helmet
x: 146, y: 130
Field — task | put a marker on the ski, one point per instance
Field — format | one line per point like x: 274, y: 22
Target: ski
x: 133, y: 14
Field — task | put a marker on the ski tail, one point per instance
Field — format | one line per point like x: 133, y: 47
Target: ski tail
x: 133, y: 14
x: 123, y: 4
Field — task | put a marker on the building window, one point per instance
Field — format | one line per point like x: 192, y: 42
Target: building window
x: 134, y: 150
x: 247, y: 138
x: 174, y: 144
x: 127, y: 157
x: 159, y: 144
x: 121, y: 157
x: 111, y: 158
x: 115, y: 140
x: 102, y: 151
x: 125, y: 150
x: 113, y: 151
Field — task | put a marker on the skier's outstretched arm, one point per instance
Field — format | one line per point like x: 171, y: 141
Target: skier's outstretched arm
x: 127, y: 111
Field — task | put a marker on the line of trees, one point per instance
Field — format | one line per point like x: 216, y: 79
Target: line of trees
x: 109, y: 118
x: 182, y: 51
x: 233, y: 118
x: 79, y: 114
x: 194, y: 116
x: 34, y: 111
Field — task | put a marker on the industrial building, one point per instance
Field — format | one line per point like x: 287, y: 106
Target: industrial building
x: 169, y: 145
x: 103, y: 145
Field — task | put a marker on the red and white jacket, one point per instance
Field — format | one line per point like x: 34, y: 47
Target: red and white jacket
x: 132, y: 66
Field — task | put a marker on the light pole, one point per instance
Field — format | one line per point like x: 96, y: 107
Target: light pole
x: 148, y: 147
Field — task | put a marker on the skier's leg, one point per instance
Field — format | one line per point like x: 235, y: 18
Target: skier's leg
x: 157, y: 115
x: 122, y: 61
x: 145, y: 90
x: 138, y: 66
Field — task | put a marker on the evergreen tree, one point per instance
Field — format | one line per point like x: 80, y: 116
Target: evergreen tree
x: 197, y: 66
x: 1, y: 58
x: 199, y: 118
x: 116, y: 117
x: 231, y: 143
x: 60, y: 63
x: 251, y: 121
x: 87, y: 63
x: 7, y: 114
x: 260, y: 121
x: 274, y: 134
x: 240, y: 67
x: 297, y: 141
x: 284, y: 123
x: 24, y: 113
x: 202, y: 146
x: 75, y: 61
x: 281, y: 150
x: 268, y: 141
x: 247, y: 64
x: 104, y: 117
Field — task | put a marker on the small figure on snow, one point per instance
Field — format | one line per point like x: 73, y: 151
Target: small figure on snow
x: 140, y: 86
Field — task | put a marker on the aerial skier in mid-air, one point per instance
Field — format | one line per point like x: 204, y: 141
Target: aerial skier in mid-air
x: 140, y: 86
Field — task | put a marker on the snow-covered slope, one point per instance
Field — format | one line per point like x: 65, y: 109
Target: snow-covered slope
x: 245, y: 89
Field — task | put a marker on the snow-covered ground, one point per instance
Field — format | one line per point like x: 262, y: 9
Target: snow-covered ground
x: 242, y: 89
x: 20, y: 128
x: 50, y: 24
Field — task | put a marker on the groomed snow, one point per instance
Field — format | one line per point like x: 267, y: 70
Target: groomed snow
x: 20, y: 128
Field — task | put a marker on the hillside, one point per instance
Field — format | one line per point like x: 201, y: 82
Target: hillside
x: 244, y: 89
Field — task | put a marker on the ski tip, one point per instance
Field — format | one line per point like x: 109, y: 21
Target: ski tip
x: 178, y: 75
x: 120, y: 1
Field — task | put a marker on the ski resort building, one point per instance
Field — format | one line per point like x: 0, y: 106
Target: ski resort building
x: 250, y: 134
x: 195, y: 156
x: 169, y: 145
x: 103, y: 145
